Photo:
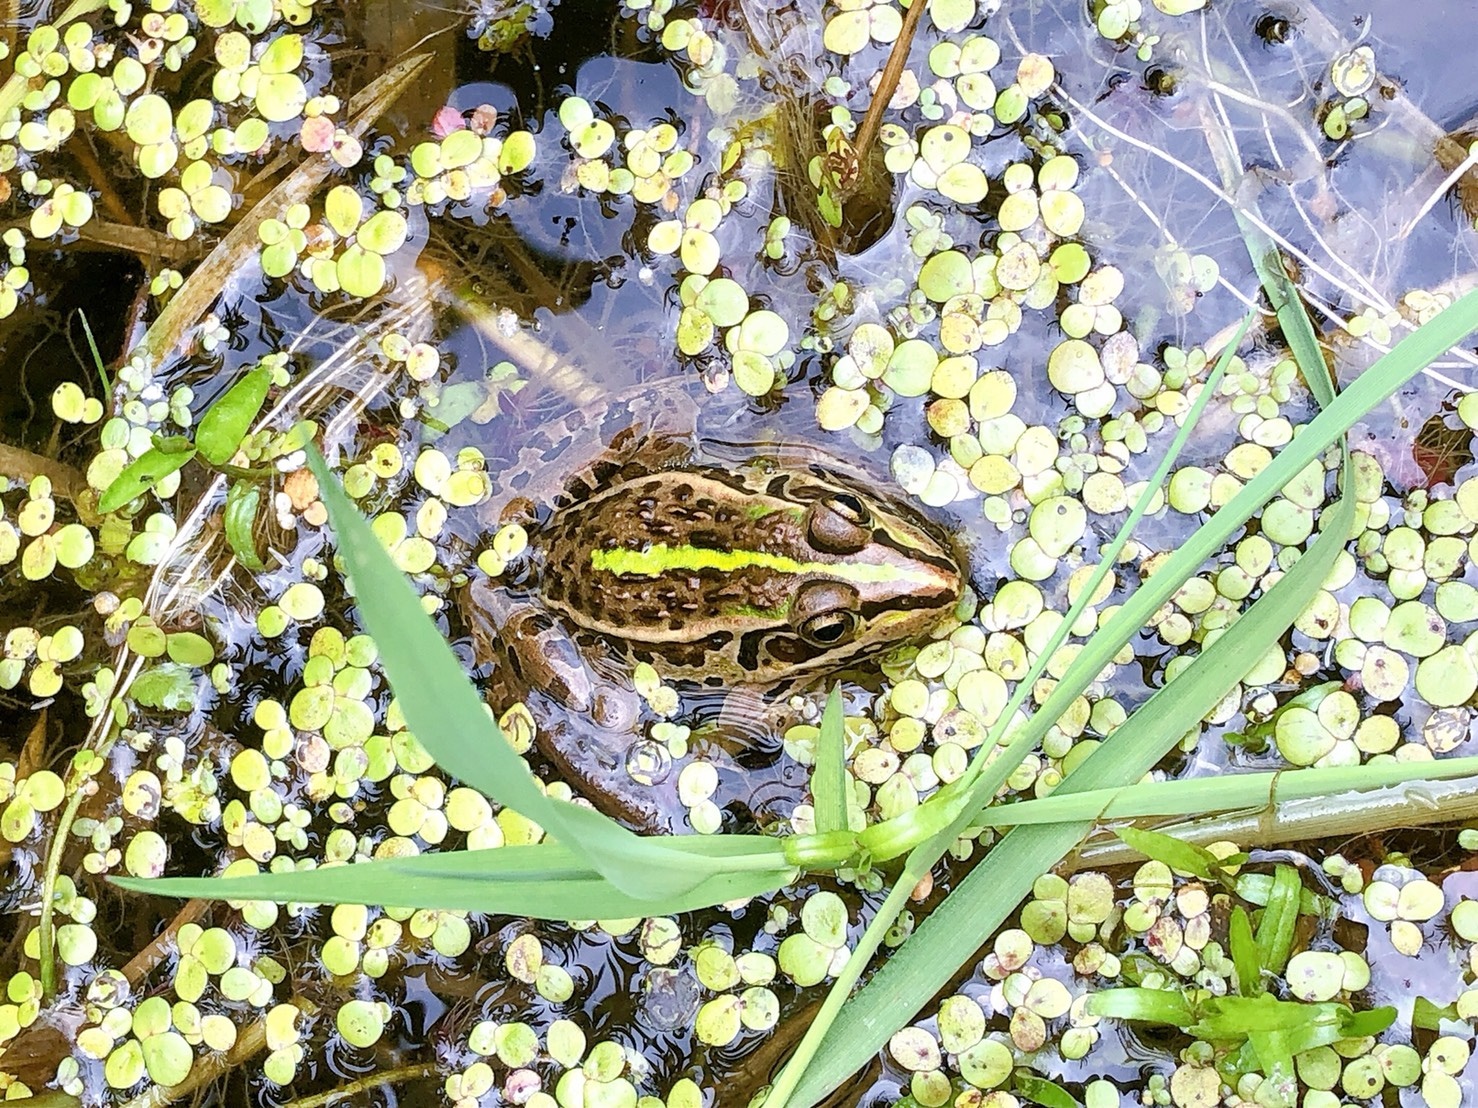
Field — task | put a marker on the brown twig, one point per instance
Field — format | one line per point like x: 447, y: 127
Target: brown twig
x: 368, y: 1081
x: 32, y: 757
x: 66, y: 481
x: 872, y: 122
x: 101, y: 180
x: 147, y: 245
x: 143, y: 963
x: 205, y: 283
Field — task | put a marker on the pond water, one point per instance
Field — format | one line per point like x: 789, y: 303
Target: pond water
x: 529, y: 275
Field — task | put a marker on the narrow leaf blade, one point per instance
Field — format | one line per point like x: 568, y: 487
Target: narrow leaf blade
x: 546, y: 881
x: 141, y: 475
x: 239, y: 522
x: 829, y: 778
x: 1185, y: 857
x: 446, y: 714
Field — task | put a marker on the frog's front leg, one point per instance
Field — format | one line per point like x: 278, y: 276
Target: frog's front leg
x: 588, y: 742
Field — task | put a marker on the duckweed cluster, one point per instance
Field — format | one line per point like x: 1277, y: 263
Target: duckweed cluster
x: 314, y: 766
x: 1077, y: 937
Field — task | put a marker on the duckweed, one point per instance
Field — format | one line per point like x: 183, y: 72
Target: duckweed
x: 329, y: 744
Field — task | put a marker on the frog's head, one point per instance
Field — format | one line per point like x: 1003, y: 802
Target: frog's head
x: 869, y: 574
x: 757, y: 578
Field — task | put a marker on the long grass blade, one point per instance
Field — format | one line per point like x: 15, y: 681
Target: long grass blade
x: 445, y: 713
x: 546, y: 881
x: 982, y: 781
x: 829, y: 778
x: 951, y: 934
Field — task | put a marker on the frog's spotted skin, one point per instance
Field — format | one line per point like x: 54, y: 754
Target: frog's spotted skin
x: 762, y: 573
x: 724, y: 578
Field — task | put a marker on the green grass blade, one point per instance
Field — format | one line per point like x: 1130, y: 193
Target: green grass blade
x: 1201, y: 796
x: 97, y: 362
x: 829, y: 778
x: 983, y: 780
x: 1097, y: 653
x: 1162, y: 1006
x: 546, y: 881
x: 950, y: 935
x: 1376, y: 385
x: 445, y: 713
x: 1279, y: 919
x: 1243, y: 950
x: 1298, y: 330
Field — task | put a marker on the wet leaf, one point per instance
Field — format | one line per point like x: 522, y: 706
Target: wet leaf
x: 1244, y: 953
x: 1145, y: 1005
x: 1049, y: 1094
x: 829, y: 778
x: 1279, y: 919
x: 227, y: 421
x: 1427, y: 1016
x: 142, y: 474
x: 1185, y: 857
x: 361, y: 272
x: 169, y: 686
x: 242, y: 501
x: 189, y: 649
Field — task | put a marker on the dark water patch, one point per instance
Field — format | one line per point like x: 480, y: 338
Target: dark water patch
x: 46, y: 344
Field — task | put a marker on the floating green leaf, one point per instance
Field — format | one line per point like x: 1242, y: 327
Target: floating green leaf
x: 1039, y: 1090
x: 242, y: 500
x: 1243, y: 949
x: 142, y: 474
x: 169, y: 686
x: 227, y: 421
x: 1185, y: 857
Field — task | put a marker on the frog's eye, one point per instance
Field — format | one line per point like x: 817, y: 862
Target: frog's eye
x: 850, y: 508
x: 829, y: 628
x: 838, y: 524
x: 825, y: 613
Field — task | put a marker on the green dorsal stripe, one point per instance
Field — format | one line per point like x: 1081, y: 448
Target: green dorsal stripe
x: 661, y: 558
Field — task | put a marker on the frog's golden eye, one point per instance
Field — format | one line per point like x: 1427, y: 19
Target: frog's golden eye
x: 838, y: 524
x: 850, y: 508
x: 824, y: 613
x: 829, y: 628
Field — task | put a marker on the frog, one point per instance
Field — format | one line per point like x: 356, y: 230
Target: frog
x: 737, y: 570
